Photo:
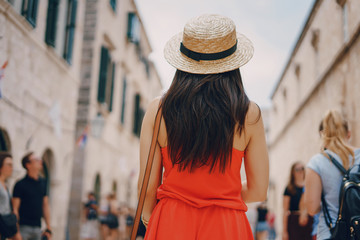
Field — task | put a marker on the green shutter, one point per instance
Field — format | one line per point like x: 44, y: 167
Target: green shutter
x: 140, y: 119
x: 29, y: 11
x: 102, y: 74
x: 130, y: 25
x: 113, y: 4
x: 3, y: 146
x: 112, y: 87
x: 51, y: 22
x: 70, y: 31
x: 136, y: 114
x: 123, y: 102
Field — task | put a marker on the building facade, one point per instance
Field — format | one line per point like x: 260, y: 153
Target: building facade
x: 118, y: 81
x: 40, y: 57
x: 322, y: 73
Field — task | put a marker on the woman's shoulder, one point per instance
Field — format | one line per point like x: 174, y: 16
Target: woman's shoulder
x: 253, y: 114
x: 152, y: 109
x: 317, y: 162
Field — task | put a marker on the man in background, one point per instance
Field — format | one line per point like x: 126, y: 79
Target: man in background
x: 31, y: 202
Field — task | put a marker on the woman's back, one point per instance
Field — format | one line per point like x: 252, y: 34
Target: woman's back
x: 207, y: 124
x: 331, y: 180
x: 200, y: 188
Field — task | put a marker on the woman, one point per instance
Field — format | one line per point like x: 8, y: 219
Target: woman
x: 90, y: 225
x: 208, y: 126
x: 102, y: 217
x: 6, y: 168
x: 321, y: 174
x: 296, y: 224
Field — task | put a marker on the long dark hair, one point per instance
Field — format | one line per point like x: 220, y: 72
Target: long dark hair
x: 200, y: 113
x: 291, y: 186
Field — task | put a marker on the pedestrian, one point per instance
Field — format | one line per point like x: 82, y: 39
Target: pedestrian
x: 296, y: 222
x: 6, y: 168
x: 270, y: 218
x: 262, y: 226
x: 31, y: 201
x: 90, y: 227
x: 322, y: 176
x: 208, y: 126
x: 112, y: 220
x: 102, y: 213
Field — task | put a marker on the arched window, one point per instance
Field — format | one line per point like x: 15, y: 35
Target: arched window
x: 48, y: 160
x: 97, y: 187
x: 114, y: 188
x: 5, y: 144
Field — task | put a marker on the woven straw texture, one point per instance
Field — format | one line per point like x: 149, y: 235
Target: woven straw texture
x: 209, y: 34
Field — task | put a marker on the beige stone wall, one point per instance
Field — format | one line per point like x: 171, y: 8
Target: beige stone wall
x: 37, y: 78
x: 329, y: 78
x: 115, y: 155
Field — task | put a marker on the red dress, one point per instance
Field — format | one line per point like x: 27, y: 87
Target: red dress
x: 200, y: 205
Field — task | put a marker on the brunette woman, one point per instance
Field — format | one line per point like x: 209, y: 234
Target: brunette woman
x: 208, y: 127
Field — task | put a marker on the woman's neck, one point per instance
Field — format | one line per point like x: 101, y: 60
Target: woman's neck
x: 299, y: 183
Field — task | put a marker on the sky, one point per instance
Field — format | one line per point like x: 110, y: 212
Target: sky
x: 272, y: 25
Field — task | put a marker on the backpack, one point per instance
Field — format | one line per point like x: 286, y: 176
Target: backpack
x: 348, y: 222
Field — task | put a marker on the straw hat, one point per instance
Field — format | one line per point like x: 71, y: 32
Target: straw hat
x: 209, y: 44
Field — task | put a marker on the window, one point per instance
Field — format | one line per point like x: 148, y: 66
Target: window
x: 97, y: 187
x: 106, y: 79
x: 345, y: 22
x: 29, y: 11
x: 113, y: 4
x: 315, y: 39
x: 51, y: 22
x: 297, y: 71
x: 344, y: 5
x: 138, y: 116
x: 133, y: 30
x: 284, y: 94
x: 147, y: 66
x: 4, y: 141
x: 70, y: 30
x: 122, y: 119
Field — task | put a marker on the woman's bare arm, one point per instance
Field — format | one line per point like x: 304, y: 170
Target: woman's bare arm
x: 313, y: 189
x: 256, y: 158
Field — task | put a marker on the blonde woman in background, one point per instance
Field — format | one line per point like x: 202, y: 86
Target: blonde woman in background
x: 321, y: 174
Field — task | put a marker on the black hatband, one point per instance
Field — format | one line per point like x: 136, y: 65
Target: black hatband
x: 207, y: 56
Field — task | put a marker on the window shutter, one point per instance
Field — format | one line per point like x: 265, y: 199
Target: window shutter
x: 103, y: 74
x: 51, y: 22
x: 140, y: 119
x: 70, y: 31
x: 112, y: 87
x: 130, y: 25
x: 122, y: 119
x: 34, y: 8
x: 113, y: 4
x: 136, y: 114
x: 29, y: 11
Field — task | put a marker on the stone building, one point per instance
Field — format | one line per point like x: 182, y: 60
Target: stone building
x: 41, y: 41
x: 118, y: 81
x: 322, y: 73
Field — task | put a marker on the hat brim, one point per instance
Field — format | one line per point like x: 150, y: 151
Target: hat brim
x: 240, y: 57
